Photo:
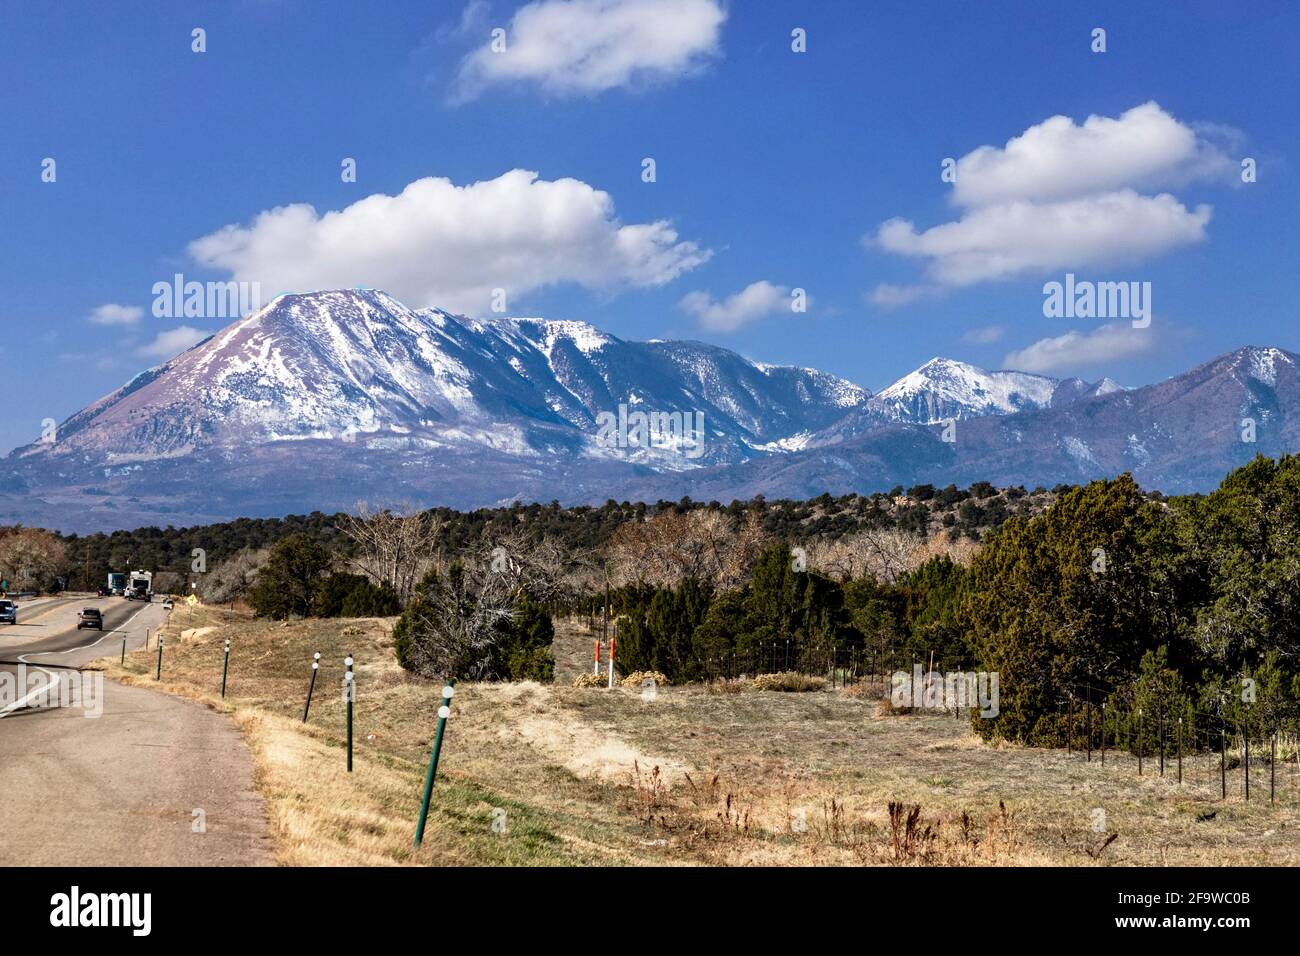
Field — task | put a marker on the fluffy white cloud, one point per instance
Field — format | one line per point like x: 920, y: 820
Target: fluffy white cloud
x: 577, y: 47
x: 110, y: 314
x: 1057, y: 159
x: 999, y: 242
x: 1062, y: 196
x: 439, y: 244
x: 1078, y: 350
x: 755, y: 301
x: 172, y: 342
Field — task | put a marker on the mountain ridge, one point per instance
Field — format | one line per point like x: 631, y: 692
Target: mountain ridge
x: 323, y: 399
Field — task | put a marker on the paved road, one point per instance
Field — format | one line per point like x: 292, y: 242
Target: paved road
x: 121, y: 788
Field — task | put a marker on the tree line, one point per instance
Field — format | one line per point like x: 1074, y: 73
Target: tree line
x: 178, y: 553
x: 1101, y: 594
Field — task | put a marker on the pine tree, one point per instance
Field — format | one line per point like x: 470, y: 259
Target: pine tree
x: 1070, y: 599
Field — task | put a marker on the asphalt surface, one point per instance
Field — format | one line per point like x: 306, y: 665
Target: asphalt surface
x: 126, y: 776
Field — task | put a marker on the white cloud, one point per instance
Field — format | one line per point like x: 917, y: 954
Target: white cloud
x: 1057, y: 159
x: 583, y: 47
x: 1066, y: 196
x: 172, y: 342
x: 439, y: 244
x: 985, y: 336
x: 110, y: 314
x: 1077, y: 350
x: 1011, y: 239
x: 755, y: 301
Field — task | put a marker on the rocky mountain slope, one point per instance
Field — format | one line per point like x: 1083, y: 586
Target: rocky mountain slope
x: 319, y: 401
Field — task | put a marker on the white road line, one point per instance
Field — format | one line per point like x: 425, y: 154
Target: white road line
x: 53, y: 678
x: 85, y: 647
x: 44, y: 688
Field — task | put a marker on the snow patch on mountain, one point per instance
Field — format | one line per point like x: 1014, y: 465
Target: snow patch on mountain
x: 1079, y: 451
x: 1262, y: 364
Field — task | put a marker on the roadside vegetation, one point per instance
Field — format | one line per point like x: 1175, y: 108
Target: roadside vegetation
x: 1113, y: 619
x: 582, y: 776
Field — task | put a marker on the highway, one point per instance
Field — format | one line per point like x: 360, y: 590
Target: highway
x: 124, y: 776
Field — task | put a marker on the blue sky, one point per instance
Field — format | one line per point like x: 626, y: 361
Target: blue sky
x: 773, y: 168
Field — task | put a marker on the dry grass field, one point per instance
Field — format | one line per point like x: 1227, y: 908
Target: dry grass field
x: 695, y: 775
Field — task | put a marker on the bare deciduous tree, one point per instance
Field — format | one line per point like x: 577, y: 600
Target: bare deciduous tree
x: 29, y: 558
x: 460, y: 612
x: 961, y: 550
x: 670, y: 547
x: 394, y: 546
x: 232, y: 578
x: 882, y: 553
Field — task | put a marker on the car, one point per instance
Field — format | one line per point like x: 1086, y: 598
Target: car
x: 90, y: 617
x: 168, y: 605
x: 8, y: 612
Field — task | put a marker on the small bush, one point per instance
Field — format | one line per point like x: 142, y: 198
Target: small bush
x: 637, y: 678
x: 589, y: 680
x: 863, y: 689
x: 789, y: 681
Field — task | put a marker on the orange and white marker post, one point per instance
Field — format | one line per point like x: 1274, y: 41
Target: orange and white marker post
x: 596, y: 670
x: 611, y: 663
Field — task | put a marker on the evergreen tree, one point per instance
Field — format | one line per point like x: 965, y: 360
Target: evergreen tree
x: 524, y: 651
x: 290, y: 580
x: 1242, y: 541
x: 1071, y: 598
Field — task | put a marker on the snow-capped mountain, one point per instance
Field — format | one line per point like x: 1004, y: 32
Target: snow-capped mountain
x: 319, y: 401
x: 323, y: 399
x: 360, y: 367
x: 1177, y: 436
x: 943, y: 389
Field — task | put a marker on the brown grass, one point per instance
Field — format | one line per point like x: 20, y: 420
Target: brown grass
x: 689, y: 775
x: 789, y: 682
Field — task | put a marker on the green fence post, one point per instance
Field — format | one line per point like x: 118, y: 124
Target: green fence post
x: 349, y: 691
x: 225, y: 668
x: 315, y: 666
x: 443, y: 713
x: 158, y: 674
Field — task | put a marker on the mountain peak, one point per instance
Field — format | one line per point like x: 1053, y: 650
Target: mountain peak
x: 548, y: 333
x: 357, y: 365
x: 945, y: 388
x: 1261, y: 363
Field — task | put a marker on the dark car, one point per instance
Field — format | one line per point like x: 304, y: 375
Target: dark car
x: 8, y: 612
x: 90, y: 617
